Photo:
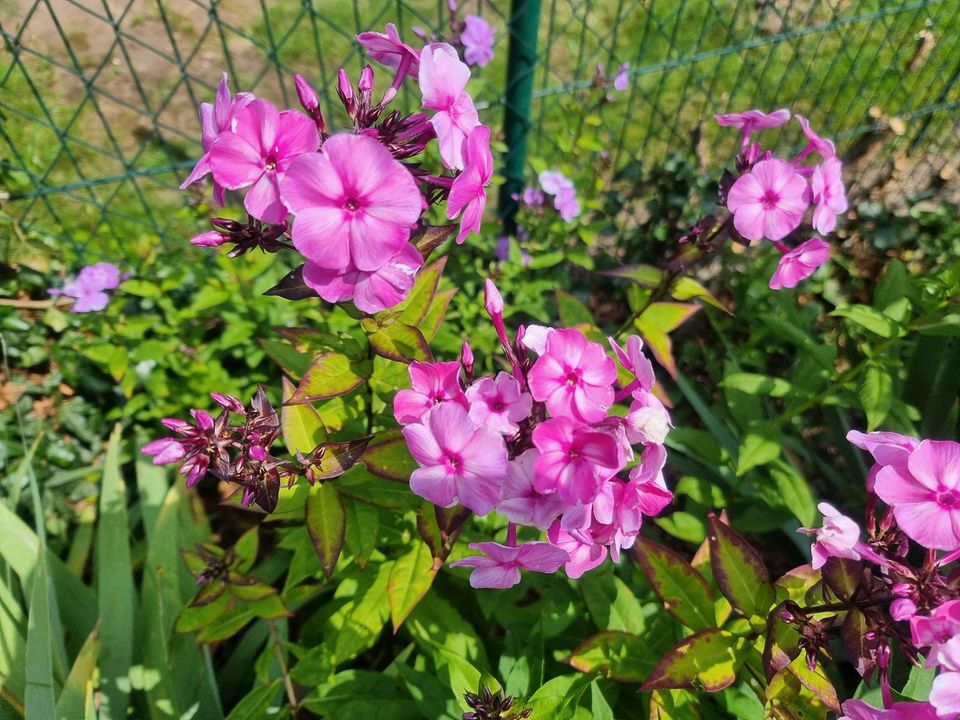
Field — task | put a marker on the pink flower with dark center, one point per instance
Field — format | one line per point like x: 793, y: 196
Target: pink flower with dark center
x: 521, y: 502
x: 622, y: 80
x: 828, y: 194
x: 499, y: 566
x: 574, y: 377
x: 498, y: 403
x: 800, y: 263
x: 432, y: 384
x: 887, y: 448
x: 371, y: 291
x: 769, y: 201
x: 459, y: 462
x: 477, y: 38
x: 815, y: 143
x: 574, y: 459
x: 388, y: 50
x: 926, y: 496
x: 354, y: 204
x: 751, y: 121
x: 839, y: 536
x: 468, y: 191
x: 443, y: 82
x: 936, y: 630
x: 214, y: 119
x: 585, y: 554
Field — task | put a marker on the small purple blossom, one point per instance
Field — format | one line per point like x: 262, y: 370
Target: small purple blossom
x: 478, y: 39
x: 89, y: 286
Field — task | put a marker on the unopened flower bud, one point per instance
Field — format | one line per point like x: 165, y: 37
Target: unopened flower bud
x: 227, y: 401
x: 366, y: 80
x: 492, y: 299
x: 307, y: 95
x: 466, y: 359
x: 257, y: 453
x: 210, y: 238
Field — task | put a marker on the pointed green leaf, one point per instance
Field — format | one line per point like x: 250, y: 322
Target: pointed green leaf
x: 571, y: 310
x: 400, y: 342
x: 738, y: 569
x: 644, y: 275
x: 687, y: 288
x: 411, y: 577
x: 421, y: 295
x: 363, y: 526
x: 326, y: 523
x: 387, y: 456
x: 870, y: 319
x: 707, y: 659
x: 876, y: 394
x: 73, y: 697
x: 330, y: 375
x: 430, y: 324
x: 755, y: 384
x: 300, y: 423
x: 40, y: 686
x: 616, y: 655
x: 683, y: 591
x: 761, y: 445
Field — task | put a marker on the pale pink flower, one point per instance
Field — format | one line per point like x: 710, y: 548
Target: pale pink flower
x: 388, y: 50
x: 622, y: 80
x: 532, y: 197
x: 258, y: 152
x: 164, y: 450
x: 839, y: 537
x: 521, y: 502
x: 769, y: 201
x: 468, y: 191
x: 498, y: 403
x: 887, y: 448
x: 554, y: 182
x: 585, y: 554
x: 925, y: 497
x: 443, y: 82
x: 574, y: 459
x: 648, y: 421
x: 216, y: 118
x: 947, y: 655
x: 647, y: 483
x: 87, y: 289
x: 371, y: 291
x: 633, y: 360
x: 354, y: 204
x: 459, y: 462
x: 945, y: 695
x: 859, y: 710
x: 751, y: 121
x: 567, y: 205
x: 616, y: 507
x: 574, y: 377
x: 432, y: 384
x: 828, y: 194
x: 499, y: 566
x: 477, y: 37
x: 800, y: 263
x: 936, y: 630
x: 815, y: 143
x: 209, y: 238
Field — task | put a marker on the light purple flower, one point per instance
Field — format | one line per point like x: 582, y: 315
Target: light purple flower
x: 839, y: 537
x: 521, y: 502
x: 751, y: 121
x: 769, y: 201
x: 622, y: 80
x: 498, y: 403
x: 800, y: 263
x: 431, y: 384
x: 388, y: 50
x: 532, y: 197
x: 477, y: 38
x: 828, y: 194
x: 443, y: 82
x: 585, y: 554
x: 499, y: 566
x: 815, y: 143
x: 88, y: 287
x: 468, y: 191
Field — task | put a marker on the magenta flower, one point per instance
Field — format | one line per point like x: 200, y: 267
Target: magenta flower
x: 616, y: 507
x: 498, y: 403
x: 799, y: 263
x: 887, y: 448
x: 926, y: 496
x: 459, y: 462
x: 432, y: 384
x: 769, y: 201
x: 622, y: 79
x: 815, y: 143
x: 859, y: 710
x: 574, y: 377
x: 371, y: 291
x: 839, y: 536
x: 499, y: 566
x: 354, y: 204
x: 828, y: 194
x: 521, y: 502
x: 388, y: 50
x: 634, y: 361
x: 585, y: 554
x: 443, y: 81
x: 468, y: 191
x: 87, y: 289
x: 574, y: 459
x: 258, y: 152
x: 647, y: 484
x: 214, y: 119
x: 477, y: 38
x: 751, y: 121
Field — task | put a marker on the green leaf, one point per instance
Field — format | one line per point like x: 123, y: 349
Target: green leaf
x: 781, y: 643
x: 398, y: 342
x: 687, y: 288
x: 754, y: 384
x: 418, y: 302
x: 115, y: 591
x: 258, y: 703
x: 141, y: 288
x: 738, y: 569
x: 326, y: 523
x: 616, y: 655
x: 40, y: 683
x: 599, y: 707
x: 387, y: 456
x: 611, y: 603
x: 363, y: 526
x: 301, y: 426
x: 761, y: 445
x: 571, y: 310
x: 795, y: 492
x: 410, y: 579
x: 333, y: 459
x: 557, y: 699
x: 682, y: 590
x: 330, y: 375
x: 430, y: 324
x: 644, y: 275
x: 870, y: 319
x: 73, y: 697
x: 708, y: 659
x: 658, y: 320
x: 876, y: 394
x: 293, y: 362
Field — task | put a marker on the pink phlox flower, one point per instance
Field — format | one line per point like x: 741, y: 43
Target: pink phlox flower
x: 585, y: 554
x: 936, y: 630
x: 535, y: 338
x: 622, y: 80
x: 431, y: 384
x: 769, y: 201
x: 468, y: 191
x: 567, y: 205
x: 258, y: 152
x: 210, y: 238
x: 800, y: 263
x: 388, y: 50
x: 521, y: 502
x: 647, y: 484
x: 552, y: 182
x: 216, y: 118
x: 751, y: 121
x: 839, y: 536
x: 354, y: 204
x: 634, y: 361
x: 443, y: 81
x: 532, y: 197
x: 859, y: 710
x: 815, y: 143
x: 574, y: 377
x: 477, y: 37
x: 498, y: 403
x: 887, y: 448
x: 828, y: 194
x: 945, y: 695
x: 616, y: 507
x: 87, y: 289
x: 574, y: 459
x: 926, y: 496
x: 947, y: 654
x: 164, y: 451
x: 459, y: 462
x: 499, y: 566
x: 564, y: 193
x: 648, y: 421
x: 371, y: 291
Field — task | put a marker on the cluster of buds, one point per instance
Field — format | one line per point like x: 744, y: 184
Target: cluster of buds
x: 884, y: 597
x: 490, y: 705
x: 356, y: 209
x: 539, y: 445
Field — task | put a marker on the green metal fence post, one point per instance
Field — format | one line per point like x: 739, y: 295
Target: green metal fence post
x: 522, y: 59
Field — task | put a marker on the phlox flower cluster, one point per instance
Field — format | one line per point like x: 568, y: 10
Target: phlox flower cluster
x: 538, y: 444
x: 561, y: 188
x: 477, y: 38
x: 913, y: 497
x: 88, y: 289
x: 352, y: 201
x: 770, y: 197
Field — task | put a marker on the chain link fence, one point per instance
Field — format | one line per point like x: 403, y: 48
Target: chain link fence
x: 98, y: 98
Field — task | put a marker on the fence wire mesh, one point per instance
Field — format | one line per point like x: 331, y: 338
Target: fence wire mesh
x: 98, y: 98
